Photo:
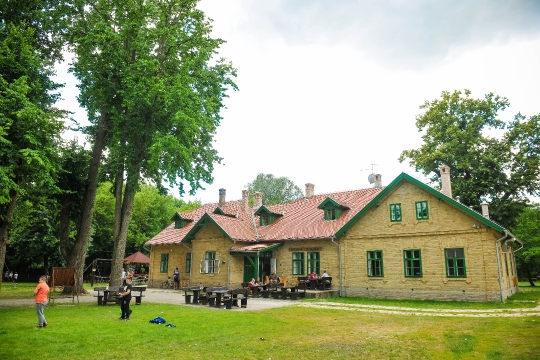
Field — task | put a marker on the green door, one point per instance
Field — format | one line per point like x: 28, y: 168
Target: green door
x: 249, y: 271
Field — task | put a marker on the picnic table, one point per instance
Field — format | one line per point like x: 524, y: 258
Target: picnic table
x: 107, y: 295
x: 195, y: 290
x: 221, y: 296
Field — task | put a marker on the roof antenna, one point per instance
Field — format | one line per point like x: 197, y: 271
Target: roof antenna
x: 371, y: 177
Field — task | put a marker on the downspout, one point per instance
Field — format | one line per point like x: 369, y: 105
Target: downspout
x: 191, y: 265
x: 229, y: 265
x: 515, y: 266
x: 499, y: 263
x: 340, y: 267
x: 256, y: 239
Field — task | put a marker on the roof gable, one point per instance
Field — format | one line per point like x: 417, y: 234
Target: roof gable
x: 376, y: 201
x: 205, y: 220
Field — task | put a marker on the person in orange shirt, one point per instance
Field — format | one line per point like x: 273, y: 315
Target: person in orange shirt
x: 41, y: 294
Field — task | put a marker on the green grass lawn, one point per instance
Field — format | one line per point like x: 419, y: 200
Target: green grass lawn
x: 87, y: 331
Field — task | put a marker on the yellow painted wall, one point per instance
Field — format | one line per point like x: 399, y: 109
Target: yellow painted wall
x: 446, y: 227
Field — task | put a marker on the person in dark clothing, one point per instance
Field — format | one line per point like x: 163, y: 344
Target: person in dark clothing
x: 126, y: 298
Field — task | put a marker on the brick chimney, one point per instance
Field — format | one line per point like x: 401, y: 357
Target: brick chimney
x: 257, y: 200
x: 485, y: 209
x: 222, y: 197
x: 446, y: 187
x: 245, y: 200
x: 310, y: 190
x: 377, y: 183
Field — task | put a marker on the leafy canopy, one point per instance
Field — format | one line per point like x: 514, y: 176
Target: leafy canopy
x: 275, y: 190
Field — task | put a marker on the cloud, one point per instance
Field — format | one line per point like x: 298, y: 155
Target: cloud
x: 406, y: 33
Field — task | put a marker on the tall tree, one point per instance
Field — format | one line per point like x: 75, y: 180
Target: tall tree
x: 276, y: 190
x: 528, y: 231
x: 30, y: 126
x: 153, y: 92
x: 502, y: 170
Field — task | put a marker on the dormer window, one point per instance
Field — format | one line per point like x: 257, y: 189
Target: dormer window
x: 330, y: 214
x: 332, y: 209
x: 266, y: 217
x: 179, y: 221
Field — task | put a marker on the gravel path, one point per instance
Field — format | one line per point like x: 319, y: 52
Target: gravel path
x: 162, y: 296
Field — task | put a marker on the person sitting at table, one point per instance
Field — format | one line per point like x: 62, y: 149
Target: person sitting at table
x: 324, y: 274
x: 251, y: 284
x: 273, y: 277
x: 312, y: 276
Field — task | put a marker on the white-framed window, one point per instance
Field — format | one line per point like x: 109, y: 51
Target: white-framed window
x: 210, y: 265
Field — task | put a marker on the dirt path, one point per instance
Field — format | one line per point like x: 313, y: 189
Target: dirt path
x: 426, y: 312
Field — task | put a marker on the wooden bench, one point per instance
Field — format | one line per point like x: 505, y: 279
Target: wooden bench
x: 139, y: 296
x: 243, y: 293
x: 299, y: 287
x: 325, y: 283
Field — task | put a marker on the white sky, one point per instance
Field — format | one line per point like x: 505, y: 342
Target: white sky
x: 329, y: 87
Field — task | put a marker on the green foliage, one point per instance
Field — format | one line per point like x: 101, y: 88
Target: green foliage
x: 457, y: 131
x: 150, y: 66
x: 182, y: 206
x: 35, y: 243
x: 151, y: 214
x: 527, y: 230
x: 29, y: 126
x: 47, y: 19
x: 275, y: 190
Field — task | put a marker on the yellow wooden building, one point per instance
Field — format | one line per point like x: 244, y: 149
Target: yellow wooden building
x: 403, y: 241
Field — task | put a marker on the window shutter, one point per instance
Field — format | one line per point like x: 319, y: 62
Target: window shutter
x: 201, y: 267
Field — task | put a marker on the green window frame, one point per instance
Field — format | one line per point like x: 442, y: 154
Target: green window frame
x: 266, y: 219
x: 164, y: 264
x: 314, y: 262
x: 375, y: 263
x: 188, y: 263
x: 412, y: 260
x: 330, y: 214
x: 210, y: 262
x: 422, y: 212
x: 395, y: 212
x: 298, y: 263
x: 455, y: 262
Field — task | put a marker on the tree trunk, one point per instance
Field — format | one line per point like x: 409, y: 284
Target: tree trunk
x: 78, y: 254
x: 5, y: 225
x: 529, y: 277
x: 65, y: 221
x: 122, y: 224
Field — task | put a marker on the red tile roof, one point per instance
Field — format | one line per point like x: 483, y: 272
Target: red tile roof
x: 301, y: 219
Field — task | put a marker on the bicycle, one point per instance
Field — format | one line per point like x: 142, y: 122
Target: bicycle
x: 168, y: 284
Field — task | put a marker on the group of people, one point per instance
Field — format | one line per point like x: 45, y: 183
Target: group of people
x: 272, y: 279
x: 313, y: 276
x: 11, y: 276
x: 41, y: 296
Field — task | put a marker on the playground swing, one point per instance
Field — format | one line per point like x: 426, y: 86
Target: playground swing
x: 96, y: 275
